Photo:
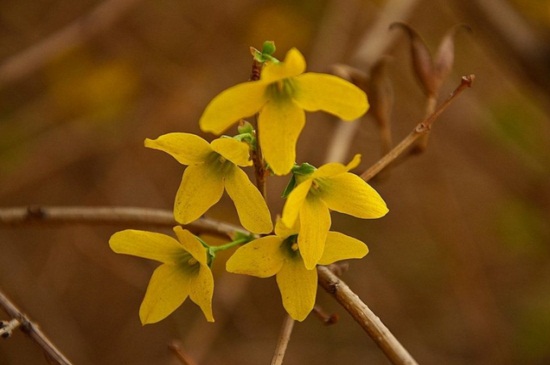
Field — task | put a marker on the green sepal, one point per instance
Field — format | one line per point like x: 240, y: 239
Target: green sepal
x: 289, y: 187
x: 303, y: 169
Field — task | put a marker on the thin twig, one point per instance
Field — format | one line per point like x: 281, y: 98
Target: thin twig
x: 78, y: 32
x: 180, y: 354
x: 257, y: 156
x: 362, y: 314
x: 284, y: 337
x: 32, y: 330
x: 421, y: 129
x: 109, y: 215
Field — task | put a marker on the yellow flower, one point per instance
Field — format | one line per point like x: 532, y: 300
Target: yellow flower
x: 280, y: 97
x: 211, y: 168
x: 329, y: 187
x: 184, y: 271
x: 280, y: 255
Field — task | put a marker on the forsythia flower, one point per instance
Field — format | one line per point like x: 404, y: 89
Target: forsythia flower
x: 184, y: 271
x: 211, y: 167
x: 330, y: 186
x: 280, y: 97
x: 281, y: 255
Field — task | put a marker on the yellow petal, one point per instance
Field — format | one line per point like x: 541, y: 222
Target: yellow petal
x: 191, y: 244
x: 335, y: 168
x: 251, y: 207
x: 233, y: 150
x: 348, y: 193
x: 355, y: 161
x: 294, y: 203
x: 314, y: 225
x: 283, y: 231
x: 329, y: 169
x: 280, y: 124
x: 237, y: 102
x: 200, y: 188
x: 186, y: 148
x: 293, y: 65
x: 167, y: 290
x: 262, y: 258
x: 341, y: 247
x: 202, y: 291
x: 298, y: 287
x: 149, y: 245
x: 331, y: 94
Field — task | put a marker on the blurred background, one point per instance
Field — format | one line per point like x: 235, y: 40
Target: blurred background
x: 459, y: 270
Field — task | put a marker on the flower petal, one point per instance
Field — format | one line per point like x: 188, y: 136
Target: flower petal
x: 167, y: 290
x: 237, y: 102
x: 342, y: 247
x: 283, y: 231
x: 233, y: 150
x: 294, y: 203
x: 200, y: 188
x: 335, y: 168
x: 149, y: 245
x: 314, y: 225
x: 293, y: 65
x: 186, y: 148
x: 348, y: 193
x: 280, y: 124
x: 331, y: 94
x: 191, y: 244
x: 262, y: 258
x: 298, y: 287
x: 202, y: 291
x: 251, y: 207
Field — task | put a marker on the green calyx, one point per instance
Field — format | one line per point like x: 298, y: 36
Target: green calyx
x: 298, y: 172
x: 265, y: 55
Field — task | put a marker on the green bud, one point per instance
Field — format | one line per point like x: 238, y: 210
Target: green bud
x: 268, y: 48
x: 246, y: 128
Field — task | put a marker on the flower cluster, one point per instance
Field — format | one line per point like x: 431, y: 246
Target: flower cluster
x: 302, y: 238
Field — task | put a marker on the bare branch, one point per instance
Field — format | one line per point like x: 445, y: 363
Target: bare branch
x: 284, y: 338
x: 420, y: 130
x: 109, y: 215
x: 32, y: 330
x: 362, y: 314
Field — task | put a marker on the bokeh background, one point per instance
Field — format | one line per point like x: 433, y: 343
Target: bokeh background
x: 460, y: 268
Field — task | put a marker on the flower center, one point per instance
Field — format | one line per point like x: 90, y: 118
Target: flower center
x: 281, y: 90
x: 290, y: 246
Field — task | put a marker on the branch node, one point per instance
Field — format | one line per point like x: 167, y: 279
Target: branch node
x: 35, y: 212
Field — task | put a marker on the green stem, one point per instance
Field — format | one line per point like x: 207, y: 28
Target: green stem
x: 229, y: 245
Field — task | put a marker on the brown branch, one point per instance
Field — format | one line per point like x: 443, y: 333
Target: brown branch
x: 362, y: 314
x: 78, y: 32
x: 284, y: 338
x: 32, y: 330
x: 420, y: 130
x: 260, y: 171
x: 109, y: 215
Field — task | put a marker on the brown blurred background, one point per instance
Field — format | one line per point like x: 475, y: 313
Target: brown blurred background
x: 460, y: 268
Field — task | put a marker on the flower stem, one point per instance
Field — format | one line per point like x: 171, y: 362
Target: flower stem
x: 231, y: 244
